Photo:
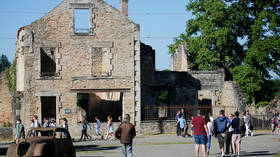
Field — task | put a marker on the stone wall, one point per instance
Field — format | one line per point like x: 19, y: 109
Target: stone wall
x: 230, y: 99
x: 179, y: 60
x: 158, y: 126
x: 5, y: 103
x: 75, y: 58
x: 6, y: 132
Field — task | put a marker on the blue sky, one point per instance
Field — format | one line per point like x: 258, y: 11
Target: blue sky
x: 160, y: 21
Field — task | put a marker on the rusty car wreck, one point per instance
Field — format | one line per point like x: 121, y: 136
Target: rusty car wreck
x: 44, y: 142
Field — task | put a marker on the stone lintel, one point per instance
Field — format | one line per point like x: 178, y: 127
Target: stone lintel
x: 47, y: 93
x: 81, y: 5
x: 105, y: 44
x: 96, y: 78
x: 99, y: 90
x: 50, y: 44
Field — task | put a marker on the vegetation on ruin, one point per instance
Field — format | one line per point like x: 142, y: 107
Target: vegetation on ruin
x: 9, y: 71
x: 11, y: 76
x: 241, y: 36
x: 82, y: 100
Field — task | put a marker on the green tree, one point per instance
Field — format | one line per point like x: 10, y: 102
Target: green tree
x: 237, y: 35
x: 82, y: 100
x: 4, y: 63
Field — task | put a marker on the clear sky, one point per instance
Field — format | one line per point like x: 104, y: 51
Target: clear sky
x: 160, y: 21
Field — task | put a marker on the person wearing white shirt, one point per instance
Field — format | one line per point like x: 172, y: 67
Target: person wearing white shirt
x: 210, y: 129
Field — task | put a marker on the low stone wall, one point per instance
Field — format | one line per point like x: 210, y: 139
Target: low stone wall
x: 6, y: 133
x: 158, y: 126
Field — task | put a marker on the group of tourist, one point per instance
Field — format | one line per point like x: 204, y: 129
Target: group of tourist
x: 109, y: 129
x: 125, y: 132
x: 227, y: 130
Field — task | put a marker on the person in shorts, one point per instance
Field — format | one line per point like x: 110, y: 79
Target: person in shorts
x: 200, y: 133
x: 19, y: 131
x: 98, y: 127
x: 182, y: 123
x: 236, y: 135
x: 221, y: 125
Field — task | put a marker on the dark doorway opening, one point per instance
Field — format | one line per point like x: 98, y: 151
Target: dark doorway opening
x: 101, y: 104
x: 48, y: 104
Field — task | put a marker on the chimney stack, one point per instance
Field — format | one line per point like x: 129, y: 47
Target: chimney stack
x: 124, y: 7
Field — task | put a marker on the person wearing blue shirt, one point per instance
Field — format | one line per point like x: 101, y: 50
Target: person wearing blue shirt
x: 98, y: 127
x: 178, y: 129
x: 221, y: 125
x: 182, y: 122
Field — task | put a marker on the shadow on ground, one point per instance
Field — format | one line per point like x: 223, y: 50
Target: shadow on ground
x: 257, y: 153
x: 3, y: 151
x: 94, y: 148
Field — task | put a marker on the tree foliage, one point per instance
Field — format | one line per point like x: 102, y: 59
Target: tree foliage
x: 237, y: 35
x: 82, y: 100
x: 4, y: 63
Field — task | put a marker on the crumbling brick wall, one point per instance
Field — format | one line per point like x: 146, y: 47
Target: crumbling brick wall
x: 5, y: 103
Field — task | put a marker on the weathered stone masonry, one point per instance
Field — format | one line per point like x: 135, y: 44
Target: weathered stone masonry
x: 75, y: 60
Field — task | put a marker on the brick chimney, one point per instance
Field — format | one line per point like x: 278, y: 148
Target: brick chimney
x: 124, y: 7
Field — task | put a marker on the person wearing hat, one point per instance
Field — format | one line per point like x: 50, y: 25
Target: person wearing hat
x: 126, y: 132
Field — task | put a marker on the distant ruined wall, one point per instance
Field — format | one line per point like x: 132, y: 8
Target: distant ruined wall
x: 5, y: 103
x: 179, y: 60
x: 231, y: 99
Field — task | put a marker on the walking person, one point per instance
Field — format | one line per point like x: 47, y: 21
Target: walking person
x: 275, y: 122
x: 110, y: 129
x: 46, y: 123
x: 247, y: 121
x: 84, y: 134
x: 52, y: 123
x: 221, y: 125
x: 178, y: 129
x: 20, y: 133
x: 32, y: 132
x: 182, y: 123
x: 65, y: 123
x: 126, y: 132
x: 192, y: 127
x: 236, y: 135
x: 98, y: 127
x: 210, y: 127
x: 36, y: 122
x: 200, y: 133
x: 229, y: 137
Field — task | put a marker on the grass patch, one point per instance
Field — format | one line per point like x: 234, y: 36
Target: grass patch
x: 3, y: 156
x: 277, y: 155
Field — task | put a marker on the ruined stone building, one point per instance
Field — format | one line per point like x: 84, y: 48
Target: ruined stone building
x: 214, y: 91
x: 64, y: 58
x: 59, y: 58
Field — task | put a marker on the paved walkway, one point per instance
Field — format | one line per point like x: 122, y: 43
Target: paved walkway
x: 261, y: 145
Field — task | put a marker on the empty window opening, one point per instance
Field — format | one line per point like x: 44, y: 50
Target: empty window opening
x: 81, y: 21
x: 48, y: 105
x: 101, y: 105
x: 160, y: 110
x: 100, y: 62
x: 48, y: 65
x: 205, y: 106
